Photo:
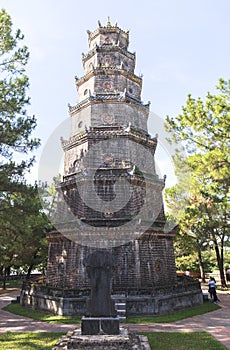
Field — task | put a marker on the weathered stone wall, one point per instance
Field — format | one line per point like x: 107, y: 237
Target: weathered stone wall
x: 110, y: 57
x: 142, y: 263
x: 154, y: 301
x: 121, y: 113
x: 80, y: 120
x: 111, y: 113
x: 146, y: 262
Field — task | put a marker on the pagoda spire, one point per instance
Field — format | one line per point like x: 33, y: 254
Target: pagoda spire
x: 108, y: 24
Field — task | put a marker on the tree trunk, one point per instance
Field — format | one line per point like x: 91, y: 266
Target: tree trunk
x: 1, y: 271
x: 201, y: 265
x: 220, y: 265
x: 8, y: 270
x: 4, y: 278
x: 29, y: 271
x: 32, y: 264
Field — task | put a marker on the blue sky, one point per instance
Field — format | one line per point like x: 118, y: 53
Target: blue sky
x: 181, y: 47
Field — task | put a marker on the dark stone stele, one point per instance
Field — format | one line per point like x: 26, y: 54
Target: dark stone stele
x: 99, y: 325
x: 101, y: 316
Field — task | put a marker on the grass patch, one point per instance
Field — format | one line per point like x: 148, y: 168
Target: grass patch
x: 17, y: 309
x: 157, y: 340
x: 12, y: 284
x: 183, y: 341
x: 174, y: 316
x: 28, y: 341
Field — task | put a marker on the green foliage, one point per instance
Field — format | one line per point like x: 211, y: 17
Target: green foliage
x: 200, y: 200
x: 15, y: 125
x: 191, y: 263
x: 21, y: 219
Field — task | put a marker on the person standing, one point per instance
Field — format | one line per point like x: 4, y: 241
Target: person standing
x: 228, y: 274
x: 212, y: 289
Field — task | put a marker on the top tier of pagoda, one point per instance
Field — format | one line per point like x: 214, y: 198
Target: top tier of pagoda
x: 108, y: 78
x: 108, y: 35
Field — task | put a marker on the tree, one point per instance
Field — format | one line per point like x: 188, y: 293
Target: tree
x: 22, y: 222
x: 190, y: 238
x: 20, y: 213
x: 15, y: 125
x: 204, y: 129
x: 193, y: 236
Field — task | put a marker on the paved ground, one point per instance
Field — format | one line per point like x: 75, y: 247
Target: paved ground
x: 216, y: 323
x: 15, y: 323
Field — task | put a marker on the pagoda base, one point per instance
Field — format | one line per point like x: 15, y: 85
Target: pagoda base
x: 156, y: 301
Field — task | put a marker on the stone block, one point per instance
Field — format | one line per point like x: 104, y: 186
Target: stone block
x: 100, y: 325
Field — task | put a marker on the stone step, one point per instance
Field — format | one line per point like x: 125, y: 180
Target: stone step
x: 120, y: 305
x: 121, y: 312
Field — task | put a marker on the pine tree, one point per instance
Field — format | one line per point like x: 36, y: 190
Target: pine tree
x: 16, y: 125
x: 204, y: 128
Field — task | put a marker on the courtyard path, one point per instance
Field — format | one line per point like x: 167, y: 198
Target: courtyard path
x: 216, y: 322
x: 14, y: 323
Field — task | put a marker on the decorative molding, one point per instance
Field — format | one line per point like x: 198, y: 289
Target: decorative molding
x: 106, y: 49
x: 108, y: 97
x: 106, y: 30
x: 109, y: 71
x: 101, y: 133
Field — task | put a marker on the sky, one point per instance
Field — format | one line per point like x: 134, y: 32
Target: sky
x: 181, y: 47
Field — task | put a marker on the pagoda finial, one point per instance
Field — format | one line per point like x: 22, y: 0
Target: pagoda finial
x: 108, y: 24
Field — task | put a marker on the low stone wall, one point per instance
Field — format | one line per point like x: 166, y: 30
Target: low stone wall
x: 158, y: 301
x: 162, y: 305
x: 56, y: 305
x: 186, y: 293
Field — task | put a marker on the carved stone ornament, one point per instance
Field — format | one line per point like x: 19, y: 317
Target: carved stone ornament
x: 108, y: 119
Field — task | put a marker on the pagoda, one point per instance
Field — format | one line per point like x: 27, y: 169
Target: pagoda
x: 110, y: 196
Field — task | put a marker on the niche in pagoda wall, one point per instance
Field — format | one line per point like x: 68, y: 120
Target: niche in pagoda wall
x: 74, y: 157
x: 85, y: 89
x: 80, y: 121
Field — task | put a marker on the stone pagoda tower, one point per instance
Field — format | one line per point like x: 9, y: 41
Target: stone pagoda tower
x: 110, y: 196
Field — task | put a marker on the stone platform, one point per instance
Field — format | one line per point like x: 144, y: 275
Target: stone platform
x: 74, y: 340
x: 142, y: 301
